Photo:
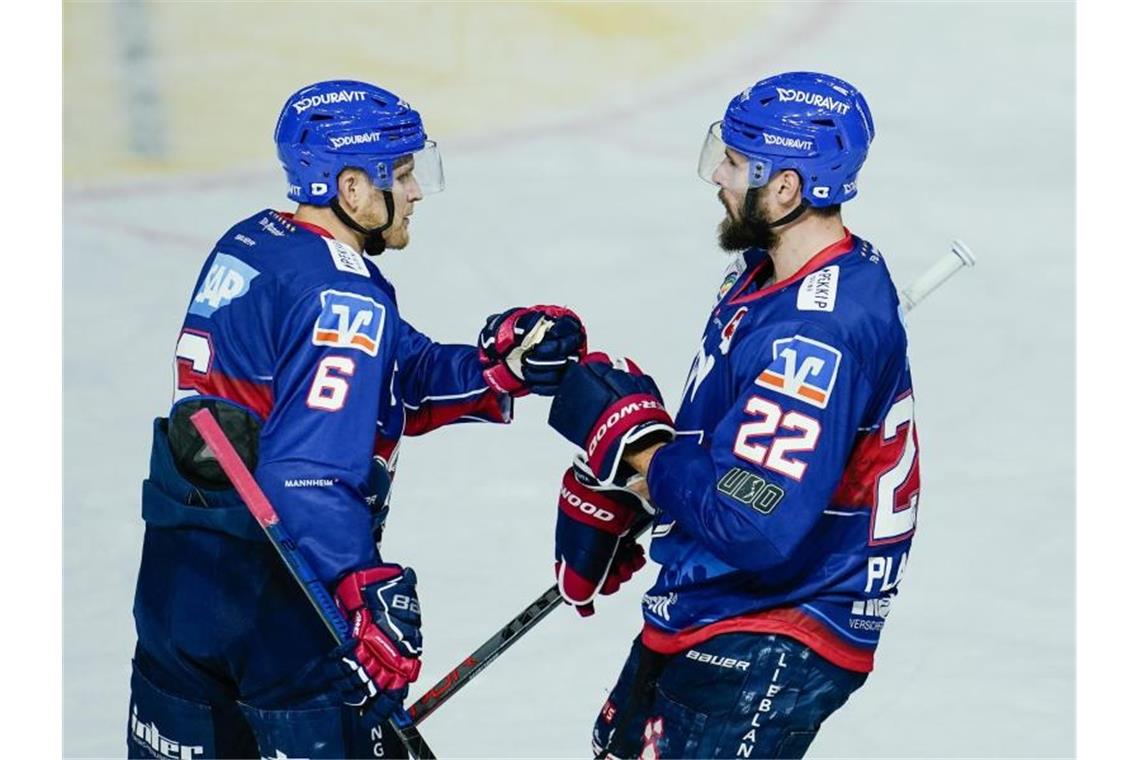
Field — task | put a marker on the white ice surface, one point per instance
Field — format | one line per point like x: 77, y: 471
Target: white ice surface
x: 974, y: 109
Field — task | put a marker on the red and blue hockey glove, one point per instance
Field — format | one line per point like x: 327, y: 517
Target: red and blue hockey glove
x: 381, y: 605
x: 606, y: 405
x: 529, y: 349
x: 595, y: 550
x: 356, y: 688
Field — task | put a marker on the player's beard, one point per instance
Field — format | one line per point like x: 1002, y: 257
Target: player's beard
x: 752, y: 229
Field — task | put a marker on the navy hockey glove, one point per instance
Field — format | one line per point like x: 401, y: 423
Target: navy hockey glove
x: 381, y: 605
x: 594, y: 546
x: 358, y: 689
x: 529, y: 349
x: 604, y: 406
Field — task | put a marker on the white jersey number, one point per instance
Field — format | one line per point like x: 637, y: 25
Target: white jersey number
x: 895, y: 511
x: 330, y: 384
x: 773, y: 419
x: 194, y: 353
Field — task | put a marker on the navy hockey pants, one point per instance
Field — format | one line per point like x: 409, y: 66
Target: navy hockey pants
x: 737, y: 695
x: 232, y: 661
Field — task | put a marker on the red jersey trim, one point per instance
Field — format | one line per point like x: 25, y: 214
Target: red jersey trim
x: 257, y: 397
x: 487, y: 406
x: 833, y: 251
x: 791, y: 622
x: 306, y: 225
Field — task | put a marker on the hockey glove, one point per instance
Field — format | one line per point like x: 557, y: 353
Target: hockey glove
x: 594, y: 546
x: 529, y: 349
x: 606, y: 405
x: 357, y: 688
x: 381, y: 605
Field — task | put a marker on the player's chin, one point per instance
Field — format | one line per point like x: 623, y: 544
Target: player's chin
x: 395, y: 240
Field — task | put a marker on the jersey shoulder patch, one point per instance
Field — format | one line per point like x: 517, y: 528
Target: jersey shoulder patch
x: 345, y: 258
x: 803, y: 368
x: 819, y: 290
x: 228, y: 279
x: 349, y: 320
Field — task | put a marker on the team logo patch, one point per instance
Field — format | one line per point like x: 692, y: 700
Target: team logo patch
x: 802, y: 368
x: 729, y: 330
x: 229, y: 278
x: 348, y: 320
x: 751, y: 490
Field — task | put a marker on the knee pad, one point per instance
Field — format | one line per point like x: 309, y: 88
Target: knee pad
x: 163, y: 725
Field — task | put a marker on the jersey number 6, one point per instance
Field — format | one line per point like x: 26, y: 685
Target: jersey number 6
x: 330, y: 385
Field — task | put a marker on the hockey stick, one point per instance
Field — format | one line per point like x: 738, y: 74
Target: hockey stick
x: 266, y: 516
x: 941, y: 270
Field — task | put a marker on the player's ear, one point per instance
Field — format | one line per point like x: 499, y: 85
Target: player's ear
x: 788, y: 187
x: 349, y: 187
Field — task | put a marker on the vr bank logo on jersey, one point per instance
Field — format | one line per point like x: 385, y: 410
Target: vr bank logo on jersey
x: 348, y: 320
x: 802, y: 368
x: 228, y: 278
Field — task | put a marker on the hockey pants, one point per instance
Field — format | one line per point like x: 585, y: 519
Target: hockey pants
x: 737, y: 695
x: 232, y: 661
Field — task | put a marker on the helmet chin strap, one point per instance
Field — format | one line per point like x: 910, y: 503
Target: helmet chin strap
x: 752, y: 199
x: 792, y: 215
x: 373, y: 238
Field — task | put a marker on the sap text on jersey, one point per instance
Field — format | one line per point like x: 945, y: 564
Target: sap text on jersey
x: 813, y: 99
x: 344, y: 96
x: 229, y: 278
x: 631, y: 408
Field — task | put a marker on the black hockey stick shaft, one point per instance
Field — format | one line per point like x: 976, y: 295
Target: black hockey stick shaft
x: 446, y: 687
x: 489, y: 650
x: 941, y: 270
x: 258, y: 505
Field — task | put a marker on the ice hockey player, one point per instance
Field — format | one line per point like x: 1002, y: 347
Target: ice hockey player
x: 785, y: 503
x: 295, y: 341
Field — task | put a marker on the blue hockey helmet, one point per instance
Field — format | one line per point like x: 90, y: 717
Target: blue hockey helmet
x: 815, y: 124
x: 329, y: 126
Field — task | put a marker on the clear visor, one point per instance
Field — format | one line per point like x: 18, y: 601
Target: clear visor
x: 728, y: 168
x: 427, y: 170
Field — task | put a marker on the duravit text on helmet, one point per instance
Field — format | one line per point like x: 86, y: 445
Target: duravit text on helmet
x: 787, y: 142
x: 360, y: 139
x: 323, y: 99
x: 812, y: 99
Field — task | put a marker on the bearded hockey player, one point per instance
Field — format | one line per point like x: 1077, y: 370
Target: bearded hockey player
x: 295, y: 341
x: 784, y: 497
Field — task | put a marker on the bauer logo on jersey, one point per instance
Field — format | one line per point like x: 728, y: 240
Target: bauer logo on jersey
x: 802, y: 368
x: 348, y: 320
x: 228, y: 278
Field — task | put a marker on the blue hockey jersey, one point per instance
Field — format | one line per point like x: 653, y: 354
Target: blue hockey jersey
x: 789, y: 498
x: 304, y: 333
